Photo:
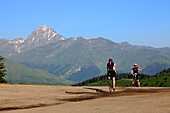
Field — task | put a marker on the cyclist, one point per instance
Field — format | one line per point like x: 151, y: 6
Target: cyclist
x: 135, y: 71
x: 111, y: 72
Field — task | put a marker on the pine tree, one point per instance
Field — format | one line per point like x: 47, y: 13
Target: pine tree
x: 2, y: 70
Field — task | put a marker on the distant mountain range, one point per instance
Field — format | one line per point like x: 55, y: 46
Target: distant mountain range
x: 131, y: 47
x: 78, y: 59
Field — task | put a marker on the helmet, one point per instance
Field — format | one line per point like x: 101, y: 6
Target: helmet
x: 110, y: 60
x: 135, y: 64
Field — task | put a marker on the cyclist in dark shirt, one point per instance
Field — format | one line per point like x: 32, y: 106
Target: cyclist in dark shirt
x: 135, y: 71
x: 111, y: 72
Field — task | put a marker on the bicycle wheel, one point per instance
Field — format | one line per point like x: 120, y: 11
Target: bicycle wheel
x: 110, y: 86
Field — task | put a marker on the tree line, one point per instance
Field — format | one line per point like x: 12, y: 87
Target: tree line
x: 2, y: 70
x: 104, y: 77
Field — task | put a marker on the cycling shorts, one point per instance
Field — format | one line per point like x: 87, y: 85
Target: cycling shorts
x: 111, y: 73
x: 137, y: 77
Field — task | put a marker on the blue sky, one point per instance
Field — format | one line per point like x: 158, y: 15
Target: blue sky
x: 139, y: 22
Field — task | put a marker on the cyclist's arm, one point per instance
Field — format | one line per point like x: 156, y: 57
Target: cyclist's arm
x: 114, y: 68
x: 132, y: 72
x: 139, y: 69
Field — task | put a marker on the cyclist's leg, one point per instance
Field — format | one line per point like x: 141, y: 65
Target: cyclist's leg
x: 113, y: 82
x: 110, y: 85
x: 138, y: 83
x: 108, y: 79
x: 108, y: 76
x: 137, y: 78
x: 133, y: 80
x: 114, y: 75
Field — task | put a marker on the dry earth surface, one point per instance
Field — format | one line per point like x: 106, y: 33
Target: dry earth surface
x: 67, y: 99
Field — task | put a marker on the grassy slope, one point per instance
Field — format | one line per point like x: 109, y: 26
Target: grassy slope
x: 21, y: 74
x: 161, y: 79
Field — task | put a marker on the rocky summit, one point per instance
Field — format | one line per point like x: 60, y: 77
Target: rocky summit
x: 39, y: 37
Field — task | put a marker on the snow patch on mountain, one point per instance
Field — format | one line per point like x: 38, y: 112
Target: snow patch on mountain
x: 62, y: 38
x: 17, y: 41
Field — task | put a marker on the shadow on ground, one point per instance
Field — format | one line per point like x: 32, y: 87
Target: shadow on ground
x: 102, y: 94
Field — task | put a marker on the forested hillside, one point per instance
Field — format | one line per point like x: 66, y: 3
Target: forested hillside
x: 161, y: 79
x: 123, y: 80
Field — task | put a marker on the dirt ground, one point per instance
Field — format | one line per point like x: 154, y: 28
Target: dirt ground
x: 66, y: 99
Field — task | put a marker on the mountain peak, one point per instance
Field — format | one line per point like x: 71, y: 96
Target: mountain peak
x: 44, y: 28
x: 45, y: 33
x: 39, y: 37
